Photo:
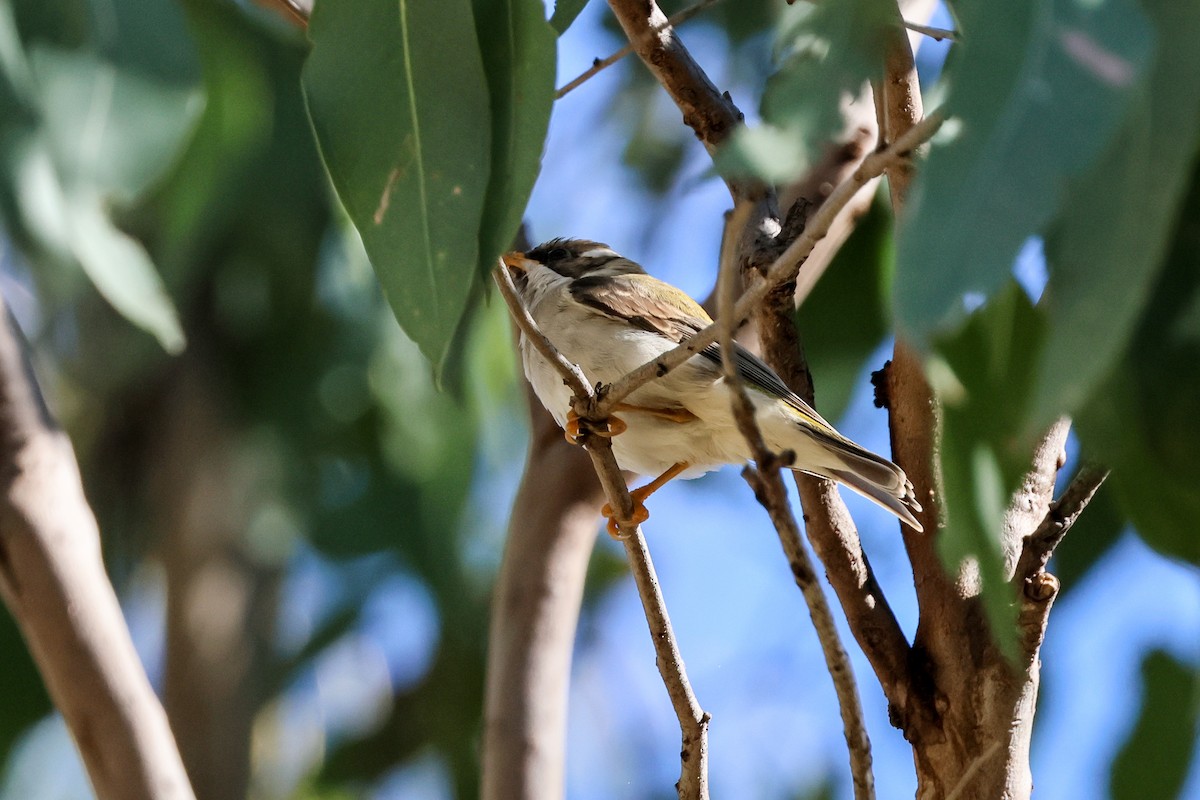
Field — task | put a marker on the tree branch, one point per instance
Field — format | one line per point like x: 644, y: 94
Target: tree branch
x: 693, y: 720
x: 784, y: 268
x: 1039, y: 546
x: 53, y: 581
x: 767, y: 482
x: 678, y: 18
x: 535, y: 609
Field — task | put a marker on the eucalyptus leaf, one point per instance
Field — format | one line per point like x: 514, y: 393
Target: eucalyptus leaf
x: 984, y: 385
x: 110, y: 129
x: 399, y: 103
x: 1141, y: 420
x: 1036, y: 94
x: 829, y: 54
x: 565, y: 12
x: 1107, y: 248
x: 519, y: 58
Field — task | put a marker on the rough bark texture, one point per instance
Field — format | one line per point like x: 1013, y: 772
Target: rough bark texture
x: 54, y: 583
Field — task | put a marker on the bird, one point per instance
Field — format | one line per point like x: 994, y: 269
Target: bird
x: 608, y: 316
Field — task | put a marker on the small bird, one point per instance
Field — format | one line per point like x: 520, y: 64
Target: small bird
x: 604, y: 313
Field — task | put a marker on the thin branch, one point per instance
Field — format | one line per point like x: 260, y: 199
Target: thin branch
x: 693, y: 720
x: 784, y: 267
x: 937, y: 34
x: 1040, y: 545
x: 711, y: 114
x: 53, y: 581
x: 678, y: 18
x: 767, y: 482
x: 572, y: 375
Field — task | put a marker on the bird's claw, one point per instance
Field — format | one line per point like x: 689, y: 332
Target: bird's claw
x: 639, y: 515
x: 577, y: 429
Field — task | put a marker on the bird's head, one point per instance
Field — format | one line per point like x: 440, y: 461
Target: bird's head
x: 569, y: 259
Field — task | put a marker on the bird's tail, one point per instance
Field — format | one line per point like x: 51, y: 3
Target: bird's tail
x: 875, y: 478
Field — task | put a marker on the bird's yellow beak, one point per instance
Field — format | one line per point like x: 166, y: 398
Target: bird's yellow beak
x: 516, y: 261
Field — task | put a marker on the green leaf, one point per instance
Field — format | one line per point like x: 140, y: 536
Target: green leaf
x: 1141, y: 421
x: 1104, y: 254
x: 73, y: 223
x: 1154, y: 761
x: 399, y: 103
x: 111, y: 130
x: 831, y: 52
x: 1038, y: 92
x: 565, y: 12
x: 519, y: 58
x: 123, y: 273
x: 982, y: 377
x: 845, y: 317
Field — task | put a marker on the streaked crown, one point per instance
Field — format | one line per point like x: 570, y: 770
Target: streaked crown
x: 577, y: 258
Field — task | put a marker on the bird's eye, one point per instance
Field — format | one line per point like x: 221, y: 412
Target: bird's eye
x: 557, y: 254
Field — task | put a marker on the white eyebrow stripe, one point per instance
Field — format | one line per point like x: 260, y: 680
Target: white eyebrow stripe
x: 598, y: 252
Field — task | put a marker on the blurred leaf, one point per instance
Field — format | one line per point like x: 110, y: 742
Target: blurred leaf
x: 1104, y: 255
x: 520, y: 68
x: 110, y: 129
x: 984, y: 383
x: 845, y: 317
x: 123, y: 273
x: 399, y: 104
x: 829, y: 54
x: 1154, y: 761
x: 72, y: 222
x: 565, y: 12
x: 1142, y: 420
x: 1038, y: 92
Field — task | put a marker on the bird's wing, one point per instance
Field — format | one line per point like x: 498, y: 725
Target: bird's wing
x: 643, y: 301
x: 648, y: 303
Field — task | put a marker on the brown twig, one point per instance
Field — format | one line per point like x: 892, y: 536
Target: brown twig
x: 767, y: 482
x: 678, y: 18
x: 1040, y: 545
x: 784, y: 267
x: 937, y: 34
x: 53, y: 581
x: 709, y: 113
x: 693, y: 720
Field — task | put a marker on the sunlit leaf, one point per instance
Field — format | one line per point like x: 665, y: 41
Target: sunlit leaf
x: 830, y: 54
x: 984, y: 384
x: 1037, y: 92
x: 110, y: 129
x: 399, y: 103
x: 1154, y: 761
x: 519, y: 58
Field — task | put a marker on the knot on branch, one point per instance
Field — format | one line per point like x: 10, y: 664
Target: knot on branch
x: 1041, y: 587
x: 879, y: 380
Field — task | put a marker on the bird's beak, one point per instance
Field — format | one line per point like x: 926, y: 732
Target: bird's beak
x: 516, y: 262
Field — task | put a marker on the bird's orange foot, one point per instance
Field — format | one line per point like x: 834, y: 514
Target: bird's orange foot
x: 640, y: 514
x: 577, y: 429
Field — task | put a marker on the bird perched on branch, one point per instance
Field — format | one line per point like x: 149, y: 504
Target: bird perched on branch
x: 605, y: 314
